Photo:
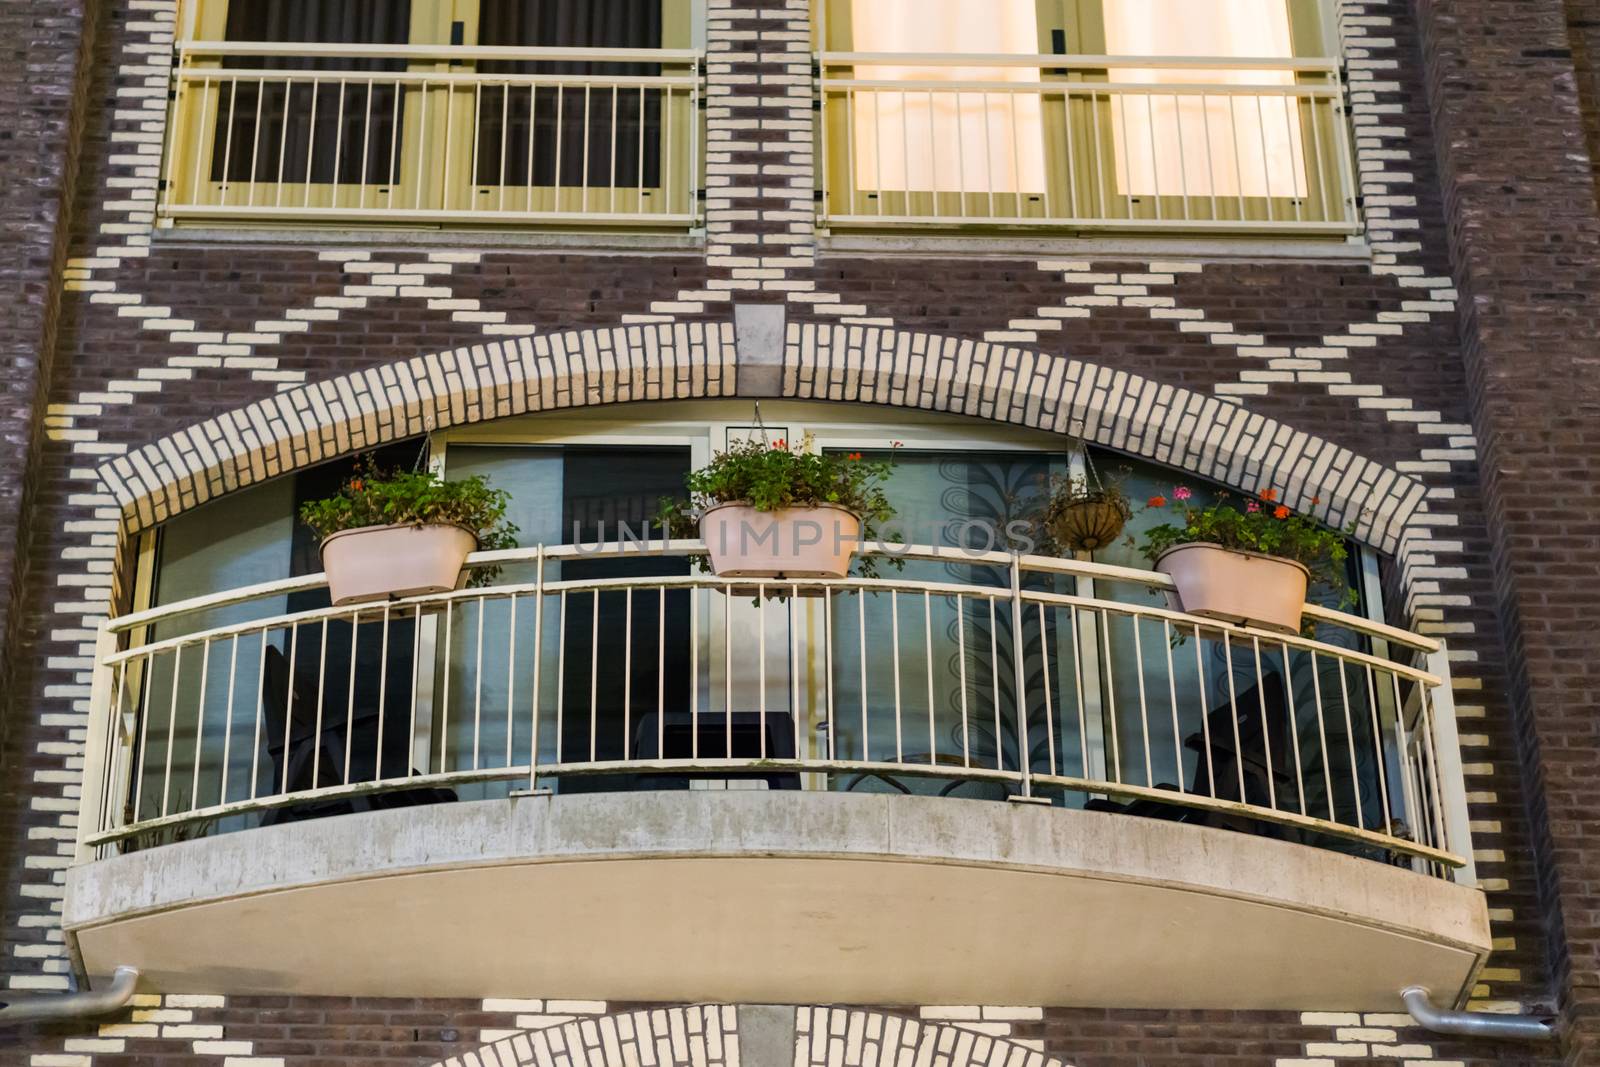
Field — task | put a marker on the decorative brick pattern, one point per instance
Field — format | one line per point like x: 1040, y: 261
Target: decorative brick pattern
x: 945, y: 1037
x: 654, y: 1037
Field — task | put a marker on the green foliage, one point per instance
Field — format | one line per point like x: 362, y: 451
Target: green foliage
x: 774, y: 476
x: 1261, y: 525
x: 373, y: 497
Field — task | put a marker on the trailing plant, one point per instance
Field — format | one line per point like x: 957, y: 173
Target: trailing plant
x: 375, y: 497
x: 1261, y: 525
x: 772, y: 476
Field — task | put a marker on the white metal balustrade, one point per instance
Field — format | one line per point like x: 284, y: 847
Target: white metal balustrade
x: 972, y: 674
x: 1211, y: 144
x: 427, y: 135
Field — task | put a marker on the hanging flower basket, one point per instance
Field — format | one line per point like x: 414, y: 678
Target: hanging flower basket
x: 389, y: 535
x: 1084, y: 516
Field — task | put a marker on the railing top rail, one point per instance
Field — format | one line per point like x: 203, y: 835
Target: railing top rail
x: 1086, y: 88
x: 314, y: 50
x: 663, y: 548
x: 1326, y: 65
x: 434, y: 77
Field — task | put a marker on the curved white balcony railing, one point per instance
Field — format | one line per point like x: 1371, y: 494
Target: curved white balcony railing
x: 233, y: 710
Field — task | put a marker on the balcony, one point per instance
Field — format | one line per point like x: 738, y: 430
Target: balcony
x: 1069, y: 144
x: 411, y: 135
x: 634, y: 779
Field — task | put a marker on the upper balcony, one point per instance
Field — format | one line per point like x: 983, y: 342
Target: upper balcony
x: 966, y: 781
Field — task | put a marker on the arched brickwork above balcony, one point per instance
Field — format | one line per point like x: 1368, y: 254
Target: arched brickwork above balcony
x: 718, y: 1036
x: 852, y: 363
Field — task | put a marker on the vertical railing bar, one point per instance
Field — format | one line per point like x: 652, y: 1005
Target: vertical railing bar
x: 227, y: 145
x: 761, y: 668
x: 538, y: 644
x: 1441, y: 827
x: 477, y: 686
x: 661, y: 668
x: 1077, y: 684
x: 927, y: 659
x: 894, y: 615
x: 561, y: 138
x: 1233, y: 711
x: 827, y: 657
x: 113, y: 787
x: 1205, y: 713
x: 1320, y: 156
x: 1350, y: 740
x: 594, y: 675
x: 1155, y: 151
x: 1266, y: 163
x: 383, y: 688
x: 933, y: 163
x: 199, y: 150
x: 1211, y: 163
x: 1404, y: 752
x: 638, y: 170
x: 444, y: 718
x: 288, y: 715
x: 614, y: 123
x: 1296, y: 160
x: 1144, y: 716
x: 1183, y: 157
x: 794, y: 672
x: 283, y: 140
x: 877, y: 145
x: 694, y: 685
x: 1049, y: 711
x: 311, y: 143
x: 416, y: 677
x: 627, y: 671
x: 727, y: 671
x: 255, y: 140
x: 144, y: 738
x: 1294, y: 727
x: 1322, y: 734
x: 1016, y: 162
x: 1120, y: 103
x: 422, y: 146
x: 1072, y: 164
x: 1172, y: 700
x: 850, y: 148
x: 180, y: 107
x: 694, y: 142
x: 1342, y: 152
x: 261, y: 708
x: 561, y: 679
x: 1024, y: 740
x: 1111, y: 697
x: 961, y: 154
x: 533, y: 125
x: 905, y: 154
x: 322, y: 688
x: 988, y: 148
x: 366, y: 157
x: 666, y: 169
x: 1102, y: 202
x: 1266, y: 732
x: 994, y: 687
x: 448, y: 144
x: 172, y: 726
x: 338, y: 143
x: 511, y: 670
x: 1238, y: 160
x: 586, y: 132
x: 861, y: 656
x: 350, y: 694
x: 200, y: 723
x: 961, y: 668
x: 1377, y: 744
x: 391, y: 177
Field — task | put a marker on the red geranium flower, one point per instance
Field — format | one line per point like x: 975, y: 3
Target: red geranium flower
x: 1269, y: 495
x: 1158, y: 501
x: 1280, y: 512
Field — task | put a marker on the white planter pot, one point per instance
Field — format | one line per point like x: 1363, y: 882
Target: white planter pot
x: 813, y: 542
x: 1237, y: 587
x: 384, y: 562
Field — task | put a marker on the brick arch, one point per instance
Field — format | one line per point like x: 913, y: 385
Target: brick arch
x: 695, y: 1036
x: 866, y: 364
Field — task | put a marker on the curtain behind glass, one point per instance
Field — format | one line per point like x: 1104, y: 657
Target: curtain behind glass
x: 290, y: 142
x: 522, y: 129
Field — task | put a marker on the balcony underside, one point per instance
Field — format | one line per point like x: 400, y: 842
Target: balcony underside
x: 776, y: 897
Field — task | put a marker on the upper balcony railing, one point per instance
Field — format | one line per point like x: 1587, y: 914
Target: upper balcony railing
x: 420, y: 135
x: 1087, y: 143
x: 229, y: 711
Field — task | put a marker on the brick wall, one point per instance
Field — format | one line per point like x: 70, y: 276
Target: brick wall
x: 157, y: 334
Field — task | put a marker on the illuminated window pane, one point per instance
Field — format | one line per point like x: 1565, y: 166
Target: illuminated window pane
x: 928, y: 138
x: 1228, y: 143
